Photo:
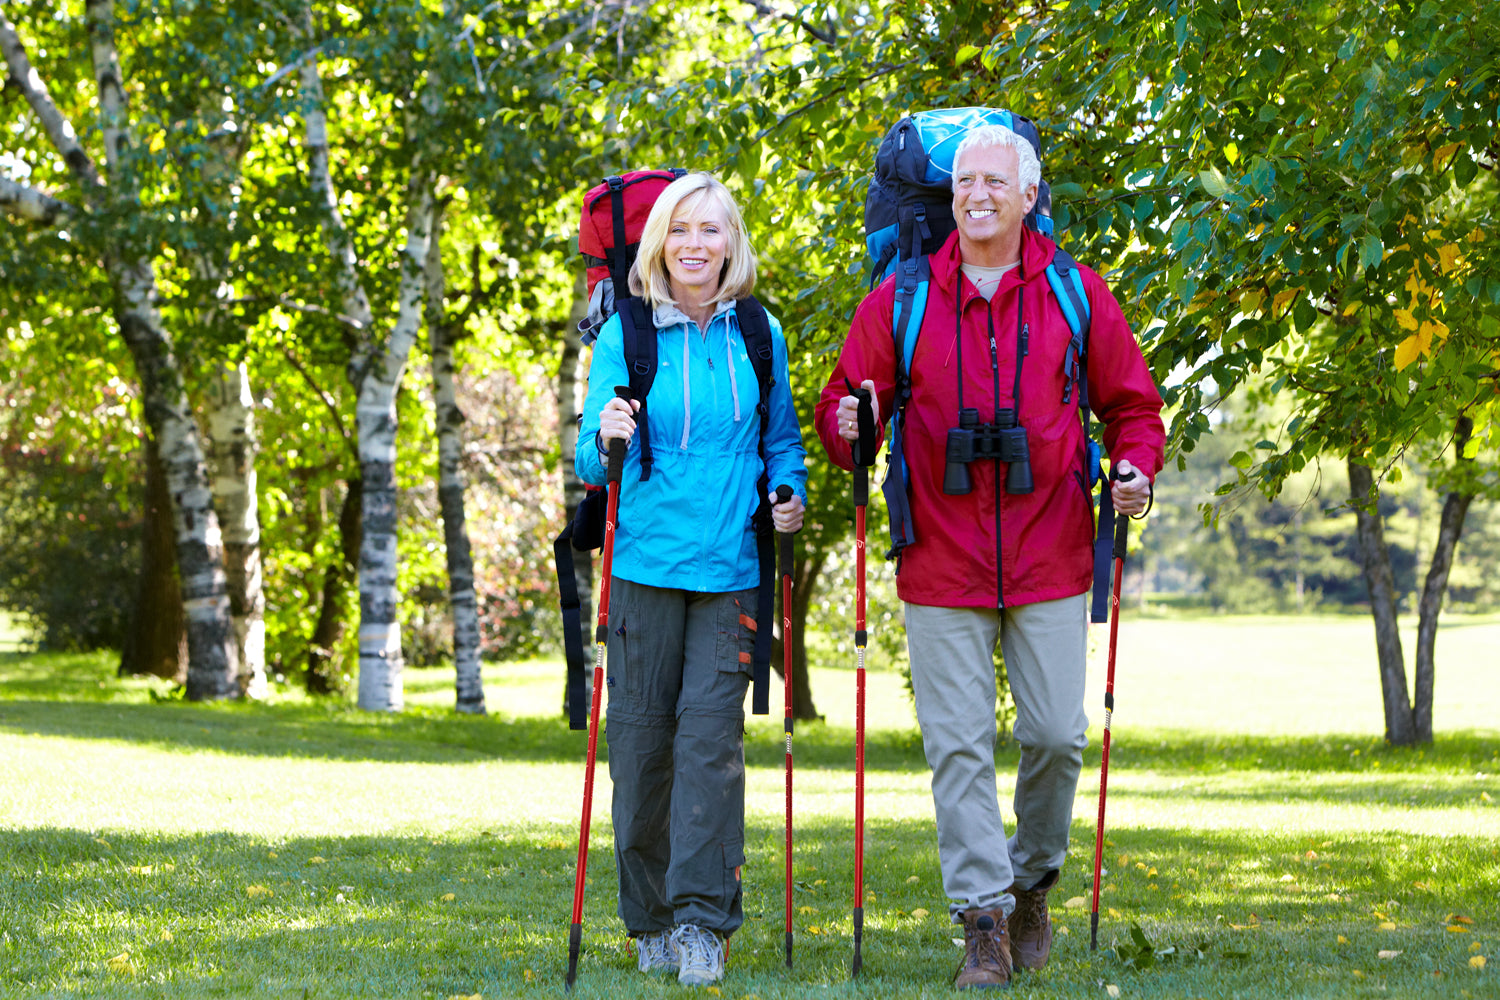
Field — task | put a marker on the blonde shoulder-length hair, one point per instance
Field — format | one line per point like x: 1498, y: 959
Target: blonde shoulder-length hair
x: 692, y: 197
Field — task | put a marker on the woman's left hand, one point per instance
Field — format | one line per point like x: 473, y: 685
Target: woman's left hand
x: 786, y: 516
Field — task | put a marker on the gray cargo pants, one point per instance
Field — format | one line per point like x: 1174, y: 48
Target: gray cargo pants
x: 679, y: 666
x: 953, y: 677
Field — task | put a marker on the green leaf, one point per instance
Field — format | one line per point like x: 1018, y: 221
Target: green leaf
x: 1214, y: 182
x: 965, y: 53
x: 1371, y: 250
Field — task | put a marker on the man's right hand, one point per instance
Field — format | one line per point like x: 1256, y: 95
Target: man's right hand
x: 848, y: 413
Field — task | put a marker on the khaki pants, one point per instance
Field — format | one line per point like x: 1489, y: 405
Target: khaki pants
x: 679, y: 666
x: 953, y: 677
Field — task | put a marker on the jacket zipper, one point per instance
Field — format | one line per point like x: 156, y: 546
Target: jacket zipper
x: 995, y: 377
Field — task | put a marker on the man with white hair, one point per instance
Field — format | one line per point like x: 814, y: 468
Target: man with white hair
x: 991, y: 557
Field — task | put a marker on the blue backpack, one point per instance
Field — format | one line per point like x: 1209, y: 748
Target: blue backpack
x: 908, y: 216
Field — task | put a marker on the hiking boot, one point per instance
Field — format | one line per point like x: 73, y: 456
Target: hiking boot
x: 986, y: 963
x: 655, y: 952
x: 700, y: 955
x: 1030, y: 925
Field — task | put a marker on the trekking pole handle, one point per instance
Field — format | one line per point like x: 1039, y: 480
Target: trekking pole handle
x: 862, y: 449
x: 617, y: 445
x: 784, y: 539
x: 1122, y: 524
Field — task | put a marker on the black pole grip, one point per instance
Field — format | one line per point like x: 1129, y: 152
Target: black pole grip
x: 1122, y: 524
x: 862, y: 449
x: 617, y: 445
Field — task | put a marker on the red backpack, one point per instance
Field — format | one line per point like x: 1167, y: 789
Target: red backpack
x: 614, y: 213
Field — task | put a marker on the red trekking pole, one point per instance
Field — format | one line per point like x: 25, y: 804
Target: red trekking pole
x: 863, y: 453
x: 783, y: 494
x: 601, y: 636
x: 1122, y: 525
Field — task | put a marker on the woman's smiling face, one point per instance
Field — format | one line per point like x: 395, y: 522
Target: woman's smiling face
x: 696, y: 243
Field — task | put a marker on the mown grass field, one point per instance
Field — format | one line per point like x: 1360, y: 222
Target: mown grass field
x: 1257, y: 825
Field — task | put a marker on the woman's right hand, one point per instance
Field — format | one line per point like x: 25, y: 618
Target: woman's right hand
x: 617, y: 420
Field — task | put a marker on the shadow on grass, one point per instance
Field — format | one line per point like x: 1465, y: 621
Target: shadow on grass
x: 237, y: 915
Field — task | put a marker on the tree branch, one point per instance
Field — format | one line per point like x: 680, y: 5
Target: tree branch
x: 31, y: 204
x: 766, y: 10
x: 327, y: 400
x: 58, y: 128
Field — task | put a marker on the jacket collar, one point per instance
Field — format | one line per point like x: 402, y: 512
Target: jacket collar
x: 667, y: 314
x: 1036, y: 254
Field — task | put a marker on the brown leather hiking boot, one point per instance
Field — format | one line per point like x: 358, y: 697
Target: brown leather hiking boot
x: 986, y: 963
x: 1030, y: 925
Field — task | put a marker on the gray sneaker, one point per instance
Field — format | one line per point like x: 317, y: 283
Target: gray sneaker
x: 700, y: 954
x: 655, y: 952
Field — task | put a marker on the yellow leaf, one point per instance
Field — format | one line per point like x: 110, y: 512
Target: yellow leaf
x: 158, y: 142
x: 123, y: 965
x: 1283, y: 299
x: 257, y: 891
x: 1405, y: 318
x: 1343, y: 940
x: 919, y: 913
x: 1113, y: 991
x: 1231, y: 153
x: 166, y: 935
x: 1476, y: 946
x: 272, y: 855
x: 714, y: 990
x: 1076, y: 903
x: 139, y: 869
x: 1408, y: 351
x: 461, y: 996
x: 913, y: 878
x: 1432, y: 328
x: 1477, y: 962
x: 1387, y: 926
x: 821, y: 881
x: 814, y: 929
x: 448, y: 897
x: 1115, y: 914
x: 1459, y: 918
x: 1352, y: 308
x: 1449, y: 257
x: 316, y: 860
x: 101, y: 841
x: 1455, y: 929
x: 1358, y: 974
x: 1124, y: 860
x: 806, y: 910
x: 1387, y: 955
x: 1442, y: 154
x: 528, y: 975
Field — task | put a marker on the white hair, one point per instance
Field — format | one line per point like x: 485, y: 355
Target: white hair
x: 989, y: 136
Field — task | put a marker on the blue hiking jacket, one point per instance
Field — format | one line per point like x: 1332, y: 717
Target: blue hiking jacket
x: 689, y: 526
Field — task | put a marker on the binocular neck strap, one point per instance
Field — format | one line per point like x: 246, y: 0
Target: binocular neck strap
x: 1023, y: 336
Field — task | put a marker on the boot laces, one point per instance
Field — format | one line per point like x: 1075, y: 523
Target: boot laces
x: 985, y: 944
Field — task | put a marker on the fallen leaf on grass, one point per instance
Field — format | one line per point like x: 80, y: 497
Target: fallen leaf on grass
x: 919, y: 913
x: 166, y: 935
x: 448, y: 897
x: 1113, y: 991
x: 1476, y: 946
x: 1342, y: 939
x: 257, y: 891
x: 913, y: 878
x: 1076, y: 903
x: 123, y: 965
x: 806, y: 910
x: 460, y: 996
x: 1116, y: 914
x: 139, y: 869
x: 528, y: 975
x: 1459, y: 918
x: 1387, y: 955
x: 1387, y: 925
x: 1456, y: 929
x: 1063, y: 929
x: 316, y: 860
x: 1476, y: 962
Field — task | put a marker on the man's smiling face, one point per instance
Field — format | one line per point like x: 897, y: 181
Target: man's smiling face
x: 988, y: 201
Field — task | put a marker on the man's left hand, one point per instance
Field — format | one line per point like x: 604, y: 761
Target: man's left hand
x: 786, y: 516
x: 1132, y: 495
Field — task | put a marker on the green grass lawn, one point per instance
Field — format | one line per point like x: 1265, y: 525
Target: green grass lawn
x: 1257, y: 825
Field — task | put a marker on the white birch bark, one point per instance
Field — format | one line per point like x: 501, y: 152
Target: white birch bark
x: 198, y: 542
x: 28, y: 203
x: 231, y: 431
x: 380, y: 660
x: 468, y: 681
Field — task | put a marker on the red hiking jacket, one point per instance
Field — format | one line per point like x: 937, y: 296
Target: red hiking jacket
x: 992, y: 548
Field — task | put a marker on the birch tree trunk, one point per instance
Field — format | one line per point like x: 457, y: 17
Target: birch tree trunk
x: 468, y: 682
x: 572, y: 388
x: 210, y: 638
x: 231, y: 423
x: 1430, y: 606
x: 328, y: 634
x: 1381, y: 583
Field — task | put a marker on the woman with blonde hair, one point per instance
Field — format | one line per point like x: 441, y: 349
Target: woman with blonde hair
x: 685, y: 572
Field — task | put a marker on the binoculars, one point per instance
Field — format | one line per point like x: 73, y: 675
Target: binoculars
x: 1003, y: 441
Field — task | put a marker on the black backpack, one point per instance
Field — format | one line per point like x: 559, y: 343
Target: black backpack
x: 609, y: 237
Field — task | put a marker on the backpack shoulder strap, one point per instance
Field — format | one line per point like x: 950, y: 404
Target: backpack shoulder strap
x: 755, y: 328
x: 639, y: 333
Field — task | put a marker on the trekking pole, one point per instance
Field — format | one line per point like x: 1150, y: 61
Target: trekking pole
x: 1122, y: 525
x: 862, y: 451
x: 601, y: 636
x: 783, y: 494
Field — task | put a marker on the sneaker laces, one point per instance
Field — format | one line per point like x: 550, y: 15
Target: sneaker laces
x: 655, y: 950
x: 698, y: 950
